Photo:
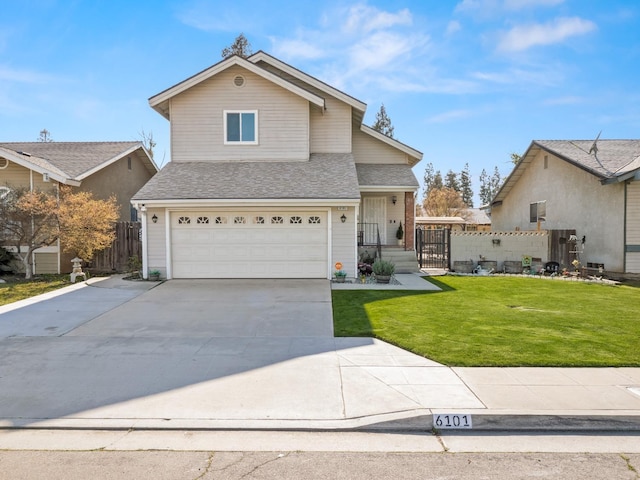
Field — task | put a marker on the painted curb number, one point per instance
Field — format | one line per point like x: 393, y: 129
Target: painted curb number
x: 451, y: 420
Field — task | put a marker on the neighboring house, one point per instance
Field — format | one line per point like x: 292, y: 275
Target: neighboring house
x: 102, y: 168
x: 271, y: 173
x: 476, y: 221
x: 592, y: 187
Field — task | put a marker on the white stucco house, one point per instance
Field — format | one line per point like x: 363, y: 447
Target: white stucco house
x: 272, y: 175
x: 592, y: 187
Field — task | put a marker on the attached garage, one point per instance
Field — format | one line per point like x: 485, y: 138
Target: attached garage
x: 273, y: 243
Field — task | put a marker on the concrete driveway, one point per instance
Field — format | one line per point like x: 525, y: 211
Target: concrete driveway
x: 200, y: 354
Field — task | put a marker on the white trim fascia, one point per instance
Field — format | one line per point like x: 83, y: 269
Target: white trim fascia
x: 390, y: 188
x: 121, y: 155
x: 171, y: 92
x: 23, y: 162
x: 314, y: 82
x: 167, y: 243
x: 145, y: 244
x: 392, y: 142
x: 330, y: 242
x: 312, y: 203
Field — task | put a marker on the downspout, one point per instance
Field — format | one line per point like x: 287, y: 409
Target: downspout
x: 143, y: 211
x: 624, y: 229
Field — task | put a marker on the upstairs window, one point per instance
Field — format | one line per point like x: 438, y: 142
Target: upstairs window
x: 241, y: 127
x: 537, y: 212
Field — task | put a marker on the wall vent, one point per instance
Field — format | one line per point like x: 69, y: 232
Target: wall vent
x: 238, y: 81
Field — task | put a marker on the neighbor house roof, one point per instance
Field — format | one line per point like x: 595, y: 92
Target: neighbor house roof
x: 323, y: 176
x: 375, y: 176
x: 611, y: 161
x: 71, y: 162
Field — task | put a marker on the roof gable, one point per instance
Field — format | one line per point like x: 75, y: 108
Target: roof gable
x: 414, y: 155
x: 611, y: 161
x: 160, y: 102
x: 71, y: 162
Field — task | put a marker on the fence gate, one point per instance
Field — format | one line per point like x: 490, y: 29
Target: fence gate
x: 433, y: 248
x: 126, y: 244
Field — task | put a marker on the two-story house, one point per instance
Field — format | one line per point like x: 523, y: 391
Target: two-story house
x: 272, y: 175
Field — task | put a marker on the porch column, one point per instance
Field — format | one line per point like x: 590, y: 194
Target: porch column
x: 409, y: 221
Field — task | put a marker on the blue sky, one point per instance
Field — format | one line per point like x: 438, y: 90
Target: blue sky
x: 462, y: 81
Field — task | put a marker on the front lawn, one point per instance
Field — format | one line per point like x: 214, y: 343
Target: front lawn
x: 18, y: 288
x: 500, y: 321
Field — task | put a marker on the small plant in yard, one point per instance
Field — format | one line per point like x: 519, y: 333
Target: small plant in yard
x: 383, y: 268
x: 400, y: 232
x: 134, y: 264
x: 154, y: 275
x: 340, y: 275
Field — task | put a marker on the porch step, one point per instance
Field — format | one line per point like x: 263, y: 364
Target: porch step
x: 404, y: 260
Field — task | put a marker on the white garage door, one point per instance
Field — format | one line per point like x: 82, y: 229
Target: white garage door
x: 265, y: 244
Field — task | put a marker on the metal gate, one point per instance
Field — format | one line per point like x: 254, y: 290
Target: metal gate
x: 433, y: 248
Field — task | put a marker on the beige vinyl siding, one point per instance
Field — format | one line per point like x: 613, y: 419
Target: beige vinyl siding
x: 633, y: 226
x: 45, y: 263
x: 331, y: 129
x: 197, y: 125
x: 367, y: 149
x: 343, y: 240
x: 14, y: 176
x: 156, y: 243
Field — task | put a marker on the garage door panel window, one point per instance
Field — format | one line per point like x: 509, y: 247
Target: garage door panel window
x: 258, y: 220
x: 221, y: 220
x: 314, y: 220
x: 277, y: 220
x: 295, y: 220
x: 184, y: 220
x: 240, y: 220
x: 203, y: 220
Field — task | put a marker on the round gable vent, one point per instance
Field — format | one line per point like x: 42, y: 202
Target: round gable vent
x: 238, y: 81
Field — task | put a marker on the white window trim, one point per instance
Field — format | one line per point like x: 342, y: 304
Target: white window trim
x: 240, y: 142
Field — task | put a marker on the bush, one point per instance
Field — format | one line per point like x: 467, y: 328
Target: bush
x: 383, y: 267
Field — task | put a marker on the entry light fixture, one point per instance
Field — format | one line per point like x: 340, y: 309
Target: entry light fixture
x: 154, y: 219
x: 394, y: 199
x: 343, y: 218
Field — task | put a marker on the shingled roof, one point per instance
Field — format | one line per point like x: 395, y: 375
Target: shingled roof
x: 611, y: 161
x: 372, y: 175
x: 74, y: 160
x: 323, y: 176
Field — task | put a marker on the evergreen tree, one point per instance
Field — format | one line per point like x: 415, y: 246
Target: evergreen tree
x: 465, y: 186
x: 240, y: 47
x: 451, y: 181
x: 485, y: 188
x: 496, y: 182
x: 383, y: 122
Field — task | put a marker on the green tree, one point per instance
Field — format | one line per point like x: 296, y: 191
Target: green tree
x: 485, y: 188
x: 515, y: 158
x: 240, y: 47
x: 444, y: 202
x: 451, y: 181
x: 496, y: 182
x: 466, y: 190
x: 383, y: 122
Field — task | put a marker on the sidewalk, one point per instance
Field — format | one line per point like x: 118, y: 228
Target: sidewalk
x: 117, y: 373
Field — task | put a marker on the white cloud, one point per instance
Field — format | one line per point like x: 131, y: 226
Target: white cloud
x: 450, y: 116
x: 296, y: 48
x: 521, y: 4
x: 363, y: 18
x: 9, y: 74
x: 453, y: 27
x: 523, y: 37
x: 495, y: 6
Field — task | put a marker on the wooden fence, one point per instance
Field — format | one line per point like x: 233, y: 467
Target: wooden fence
x: 128, y: 243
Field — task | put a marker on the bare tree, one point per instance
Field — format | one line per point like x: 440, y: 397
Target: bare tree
x: 45, y: 136
x: 445, y: 202
x: 148, y: 141
x: 240, y: 47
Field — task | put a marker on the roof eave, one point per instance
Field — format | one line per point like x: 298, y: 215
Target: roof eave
x: 119, y: 156
x: 247, y: 202
x: 23, y: 162
x: 160, y: 101
x: 411, y: 152
x: 265, y: 57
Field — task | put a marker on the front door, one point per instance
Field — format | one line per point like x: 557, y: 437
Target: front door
x: 374, y: 212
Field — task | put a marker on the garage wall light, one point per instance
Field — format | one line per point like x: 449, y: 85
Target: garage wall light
x: 154, y: 219
x: 394, y: 199
x: 343, y: 218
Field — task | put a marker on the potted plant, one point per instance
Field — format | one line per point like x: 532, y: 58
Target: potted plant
x: 383, y: 270
x: 154, y: 275
x: 400, y: 235
x: 340, y: 275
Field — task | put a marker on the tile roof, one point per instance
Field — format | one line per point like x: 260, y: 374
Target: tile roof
x: 385, y: 175
x: 70, y: 158
x: 323, y: 176
x: 613, y: 157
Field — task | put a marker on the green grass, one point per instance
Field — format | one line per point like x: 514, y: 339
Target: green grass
x: 500, y: 321
x: 19, y: 289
